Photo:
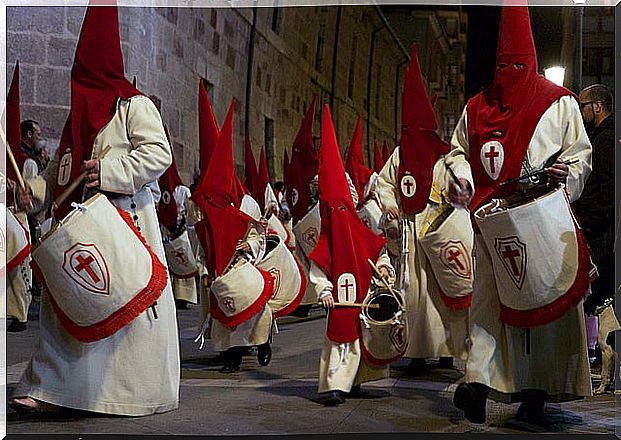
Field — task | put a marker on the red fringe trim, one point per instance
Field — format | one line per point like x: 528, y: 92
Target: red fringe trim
x: 123, y: 316
x: 18, y: 259
x: 457, y: 303
x: 299, y: 296
x: 373, y: 360
x: 248, y: 312
x: 556, y: 309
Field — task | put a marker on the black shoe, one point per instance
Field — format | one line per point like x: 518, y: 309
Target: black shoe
x: 264, y: 354
x: 333, y: 398
x: 532, y: 408
x: 230, y: 367
x: 472, y: 399
x: 416, y: 367
x: 15, y: 326
x: 233, y: 360
x: 357, y: 393
x: 446, y: 363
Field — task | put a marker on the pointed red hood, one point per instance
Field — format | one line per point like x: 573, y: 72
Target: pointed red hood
x: 13, y: 127
x: 303, y: 167
x: 223, y: 224
x: 354, y: 164
x: 264, y: 178
x: 167, y: 206
x: 385, y: 152
x: 345, y: 243
x: 505, y: 115
x: 252, y: 174
x: 285, y: 170
x: 378, y: 160
x: 208, y: 130
x: 420, y: 145
x: 97, y: 82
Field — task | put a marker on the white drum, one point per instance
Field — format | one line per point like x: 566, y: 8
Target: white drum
x: 97, y: 269
x: 180, y: 256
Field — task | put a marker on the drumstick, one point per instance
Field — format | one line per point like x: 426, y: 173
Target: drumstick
x: 537, y: 173
x: 390, y: 289
x: 9, y: 152
x: 71, y: 188
x: 370, y: 306
x: 454, y: 177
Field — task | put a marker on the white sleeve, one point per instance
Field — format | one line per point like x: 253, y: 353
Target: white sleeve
x: 457, y: 158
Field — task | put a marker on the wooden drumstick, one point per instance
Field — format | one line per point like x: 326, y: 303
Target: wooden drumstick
x: 370, y: 306
x: 18, y: 173
x: 74, y: 185
x: 385, y: 283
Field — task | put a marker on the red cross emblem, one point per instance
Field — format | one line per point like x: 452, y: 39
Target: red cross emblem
x: 181, y: 256
x: 512, y: 253
x: 408, y: 186
x: 398, y: 337
x: 64, y: 169
x: 294, y: 196
x: 229, y: 304
x: 455, y: 256
x: 310, y: 236
x: 492, y: 158
x: 347, y: 290
x: 276, y: 274
x: 87, y: 267
x: 166, y: 197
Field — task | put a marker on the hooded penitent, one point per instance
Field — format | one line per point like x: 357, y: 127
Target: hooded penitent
x: 167, y: 206
x: 223, y: 224
x: 503, y: 117
x: 208, y: 130
x: 420, y: 145
x: 354, y: 164
x: 378, y: 160
x: 13, y: 127
x: 346, y: 243
x: 97, y: 82
x: 303, y: 167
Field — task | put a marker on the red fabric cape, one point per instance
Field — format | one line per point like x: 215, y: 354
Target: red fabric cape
x: 167, y: 206
x: 354, y: 164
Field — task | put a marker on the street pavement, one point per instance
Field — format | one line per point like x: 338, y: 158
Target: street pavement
x: 280, y: 398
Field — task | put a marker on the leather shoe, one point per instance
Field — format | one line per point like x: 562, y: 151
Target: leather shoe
x: 472, y: 399
x: 230, y: 367
x: 15, y: 326
x: 357, y: 393
x: 28, y: 405
x: 333, y: 398
x: 264, y: 354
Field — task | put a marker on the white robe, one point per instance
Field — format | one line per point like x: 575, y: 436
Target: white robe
x: 551, y: 357
x: 434, y: 330
x: 135, y: 371
x: 19, y: 283
x: 343, y: 366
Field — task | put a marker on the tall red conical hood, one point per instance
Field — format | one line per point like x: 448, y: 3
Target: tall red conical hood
x: 345, y: 244
x: 208, y: 130
x: 251, y: 172
x: 285, y: 170
x: 13, y: 127
x: 264, y: 178
x: 223, y: 224
x: 354, y: 164
x: 385, y: 152
x: 219, y: 183
x: 378, y: 160
x: 303, y: 166
x: 167, y: 207
x: 420, y: 145
x: 97, y: 82
x: 503, y: 118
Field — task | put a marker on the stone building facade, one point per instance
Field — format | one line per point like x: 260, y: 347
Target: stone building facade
x: 273, y: 61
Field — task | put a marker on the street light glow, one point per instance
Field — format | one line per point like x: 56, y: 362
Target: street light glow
x: 556, y: 75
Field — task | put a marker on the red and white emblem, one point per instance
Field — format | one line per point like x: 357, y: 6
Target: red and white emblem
x: 229, y: 304
x: 398, y: 337
x: 294, y: 196
x: 492, y: 157
x: 454, y: 255
x: 310, y: 236
x: 87, y: 267
x: 512, y: 253
x: 346, y: 285
x: 181, y: 256
x: 166, y: 197
x: 408, y: 186
x: 64, y: 169
x: 276, y: 274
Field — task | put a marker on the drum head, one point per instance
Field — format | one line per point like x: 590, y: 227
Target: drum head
x: 272, y: 241
x: 388, y: 307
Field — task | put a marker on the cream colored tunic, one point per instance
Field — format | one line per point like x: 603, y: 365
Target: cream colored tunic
x: 343, y: 366
x: 135, y: 371
x: 552, y: 357
x: 434, y: 330
x: 19, y: 283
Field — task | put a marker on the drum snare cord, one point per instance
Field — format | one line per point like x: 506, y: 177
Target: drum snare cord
x: 365, y: 321
x: 203, y: 332
x: 81, y: 206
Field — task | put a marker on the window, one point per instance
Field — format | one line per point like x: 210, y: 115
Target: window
x: 269, y: 145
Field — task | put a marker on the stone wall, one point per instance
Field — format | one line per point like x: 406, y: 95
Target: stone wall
x: 168, y: 50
